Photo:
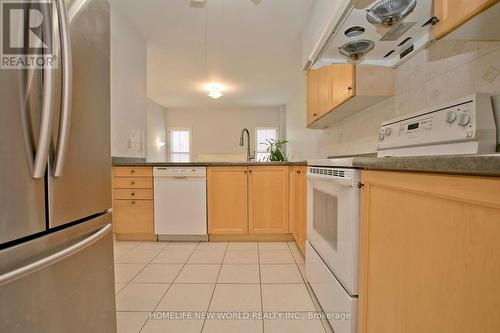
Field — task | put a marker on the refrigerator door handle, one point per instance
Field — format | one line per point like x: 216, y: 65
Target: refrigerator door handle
x: 44, y: 136
x: 53, y: 258
x: 67, y: 83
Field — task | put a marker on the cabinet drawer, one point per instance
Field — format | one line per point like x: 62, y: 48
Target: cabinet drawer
x: 125, y: 193
x: 133, y: 216
x: 132, y: 182
x: 133, y: 172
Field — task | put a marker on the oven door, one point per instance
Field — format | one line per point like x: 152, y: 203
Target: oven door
x: 333, y: 221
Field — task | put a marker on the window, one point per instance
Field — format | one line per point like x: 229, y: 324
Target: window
x: 179, y: 144
x: 263, y: 134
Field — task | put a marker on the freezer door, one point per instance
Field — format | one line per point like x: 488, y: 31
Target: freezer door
x: 59, y: 283
x: 80, y: 159
x: 22, y: 196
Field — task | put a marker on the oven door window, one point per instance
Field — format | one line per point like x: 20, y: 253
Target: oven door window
x: 325, y: 217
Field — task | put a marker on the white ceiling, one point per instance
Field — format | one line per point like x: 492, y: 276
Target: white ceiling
x: 253, y: 47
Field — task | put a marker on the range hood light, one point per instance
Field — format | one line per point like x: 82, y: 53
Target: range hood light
x: 355, y: 51
x: 386, y: 13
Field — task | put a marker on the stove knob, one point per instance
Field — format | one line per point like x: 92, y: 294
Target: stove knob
x: 451, y: 116
x: 464, y: 119
x: 387, y: 131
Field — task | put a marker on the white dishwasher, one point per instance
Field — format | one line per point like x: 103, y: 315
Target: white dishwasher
x: 180, y: 205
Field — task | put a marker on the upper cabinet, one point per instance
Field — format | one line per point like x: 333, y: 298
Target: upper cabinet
x: 454, y: 14
x: 337, y: 91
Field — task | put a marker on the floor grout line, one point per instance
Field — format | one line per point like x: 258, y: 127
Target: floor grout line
x: 215, y: 286
x: 170, y: 286
x: 226, y: 250
x: 260, y: 287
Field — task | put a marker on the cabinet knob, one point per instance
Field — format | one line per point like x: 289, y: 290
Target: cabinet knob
x: 133, y: 202
x: 132, y: 183
x: 245, y: 171
x: 132, y: 171
x: 349, y: 88
x: 298, y: 171
x: 315, y: 114
x: 132, y: 194
x: 250, y: 171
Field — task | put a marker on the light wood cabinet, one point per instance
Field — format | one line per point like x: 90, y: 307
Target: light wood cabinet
x: 133, y: 203
x: 454, y: 13
x: 268, y: 199
x: 337, y: 91
x: 343, y: 82
x: 248, y: 202
x: 429, y: 257
x: 298, y: 205
x: 133, y: 216
x: 312, y: 96
x: 227, y: 200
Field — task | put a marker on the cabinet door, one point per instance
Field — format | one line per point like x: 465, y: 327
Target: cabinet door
x: 325, y: 90
x: 429, y: 253
x: 343, y: 83
x: 298, y: 205
x: 227, y: 200
x: 133, y: 216
x: 312, y: 96
x: 454, y: 13
x: 268, y: 199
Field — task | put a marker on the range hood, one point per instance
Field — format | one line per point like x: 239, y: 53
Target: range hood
x: 378, y: 32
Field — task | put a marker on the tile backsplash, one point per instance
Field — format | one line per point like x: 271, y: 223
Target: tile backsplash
x: 444, y: 71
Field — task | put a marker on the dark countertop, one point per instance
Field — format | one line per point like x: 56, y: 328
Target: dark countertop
x: 130, y: 161
x: 479, y: 165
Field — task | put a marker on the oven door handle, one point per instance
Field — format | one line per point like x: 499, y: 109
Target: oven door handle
x: 346, y: 182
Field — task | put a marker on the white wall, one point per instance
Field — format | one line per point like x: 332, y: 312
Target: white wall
x: 318, y: 19
x: 445, y: 71
x: 128, y: 89
x: 156, y: 132
x: 217, y: 131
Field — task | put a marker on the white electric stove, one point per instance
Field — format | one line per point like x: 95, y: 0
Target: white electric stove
x: 463, y: 126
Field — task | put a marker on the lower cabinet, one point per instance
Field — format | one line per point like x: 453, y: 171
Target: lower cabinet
x: 133, y: 204
x: 429, y: 253
x: 133, y: 216
x: 268, y: 190
x: 298, y: 205
x: 248, y: 200
x: 227, y: 196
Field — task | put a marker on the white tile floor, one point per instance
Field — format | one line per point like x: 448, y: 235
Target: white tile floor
x: 212, y: 287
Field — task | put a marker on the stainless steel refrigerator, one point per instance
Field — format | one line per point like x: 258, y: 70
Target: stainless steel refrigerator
x: 56, y: 247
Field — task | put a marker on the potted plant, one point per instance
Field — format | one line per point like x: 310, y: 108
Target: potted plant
x: 275, y: 149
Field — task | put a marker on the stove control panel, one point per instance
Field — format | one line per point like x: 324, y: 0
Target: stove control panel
x: 469, y: 119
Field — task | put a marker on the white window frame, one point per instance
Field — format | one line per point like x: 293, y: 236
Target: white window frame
x: 169, y: 142
x: 257, y: 151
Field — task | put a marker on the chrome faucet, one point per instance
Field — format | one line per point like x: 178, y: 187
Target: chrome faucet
x: 249, y: 156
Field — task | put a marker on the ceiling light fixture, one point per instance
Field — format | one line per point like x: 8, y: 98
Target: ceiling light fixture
x: 215, y: 90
